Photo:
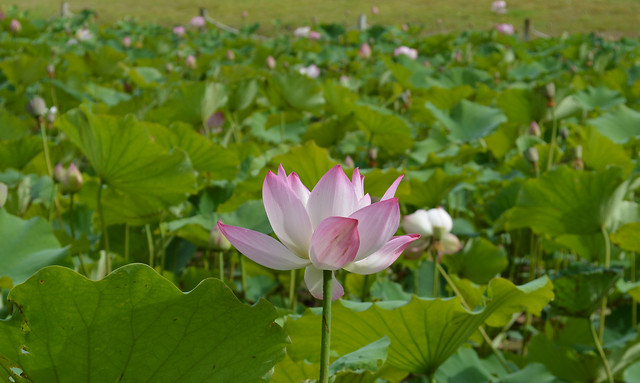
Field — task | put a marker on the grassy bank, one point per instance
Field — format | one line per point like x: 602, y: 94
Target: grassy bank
x: 615, y: 18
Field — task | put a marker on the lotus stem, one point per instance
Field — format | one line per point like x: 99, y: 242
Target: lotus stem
x: 147, y: 228
x: 598, y: 344
x: 325, y: 345
x: 607, y: 262
x: 552, y: 146
x: 464, y: 303
x: 221, y: 265
x: 436, y: 277
x: 363, y: 295
x: 47, y: 158
x: 105, y: 234
x: 243, y: 278
x: 83, y: 267
x: 126, y: 243
x: 634, y: 303
x: 292, y: 290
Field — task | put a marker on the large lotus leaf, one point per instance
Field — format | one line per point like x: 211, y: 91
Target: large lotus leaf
x: 581, y: 288
x: 469, y: 121
x: 125, y: 157
x: 424, y: 332
x: 567, y: 201
x: 107, y: 95
x: 587, y: 246
x: 601, y: 97
x: 204, y: 155
x: 431, y: 192
x: 619, y: 125
x: 599, y: 152
x: 386, y: 130
x: 564, y: 362
x: 309, y: 161
x: 26, y: 246
x: 295, y: 91
x: 191, y: 102
x: 479, y: 261
x: 17, y: 153
x: 521, y: 106
x: 23, y: 70
x: 12, y: 127
x: 136, y: 326
x: 627, y: 237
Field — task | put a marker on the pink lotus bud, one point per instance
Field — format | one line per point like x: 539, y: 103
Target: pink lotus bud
x: 449, y: 244
x: 230, y: 55
x: 405, y: 27
x: 4, y: 193
x: 198, y: 22
x: 365, y: 51
x: 311, y: 71
x: 531, y: 155
x: 313, y: 35
x: 245, y: 14
x: 302, y: 32
x: 190, y: 62
x: 217, y: 241
x: 168, y: 67
x: 375, y: 10
x: 216, y: 121
x: 15, y: 26
x: 178, y: 31
x: 534, y: 129
x: 126, y: 41
x: 36, y: 107
x: 427, y: 63
x: 348, y: 162
x: 51, y: 71
x: 73, y: 181
x: 550, y: 90
x: 271, y: 62
x: 499, y: 7
x: 59, y: 173
x: 411, y: 53
x: 344, y: 80
x: 506, y: 29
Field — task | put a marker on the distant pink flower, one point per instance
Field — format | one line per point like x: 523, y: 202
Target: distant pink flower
x: 334, y: 226
x: 313, y: 35
x: 302, y: 32
x: 230, y: 55
x: 245, y: 14
x: 365, y: 51
x: 126, y: 41
x: 499, y: 7
x: 178, y: 31
x: 15, y: 26
x: 411, y: 53
x: 375, y: 10
x: 506, y: 29
x: 344, y: 80
x: 405, y: 27
x: 198, y: 22
x: 534, y: 129
x: 311, y: 71
x: 191, y: 62
x: 271, y: 62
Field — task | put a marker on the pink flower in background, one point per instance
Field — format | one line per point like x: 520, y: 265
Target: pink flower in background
x: 191, y: 62
x: 311, y: 71
x: 215, y: 122
x: 271, y: 62
x: 178, y: 31
x: 126, y: 41
x: 230, y: 55
x: 332, y: 227
x: 534, y: 129
x: 411, y: 53
x: 405, y: 27
x: 434, y: 227
x: 499, y: 7
x: 365, y: 51
x: 375, y: 10
x: 313, y: 35
x: 302, y: 32
x: 506, y: 29
x: 198, y: 22
x: 245, y: 14
x: 15, y: 26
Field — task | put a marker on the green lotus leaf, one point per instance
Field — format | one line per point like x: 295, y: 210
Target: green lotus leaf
x: 628, y: 237
x: 136, y: 326
x: 601, y: 97
x: 469, y: 121
x: 619, y: 125
x: 479, y: 261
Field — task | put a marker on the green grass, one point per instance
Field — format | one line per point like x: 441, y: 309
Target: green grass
x: 614, y: 18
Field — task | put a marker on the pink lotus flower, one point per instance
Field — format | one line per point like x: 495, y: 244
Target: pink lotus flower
x: 313, y: 35
x: 332, y: 227
x: 365, y: 51
x: 198, y: 22
x: 499, y: 7
x: 15, y: 26
x: 245, y: 14
x: 534, y: 129
x: 411, y: 53
x: 375, y: 10
x: 506, y: 29
x: 191, y: 62
x: 178, y: 31
x: 311, y: 71
x: 271, y: 62
x: 126, y: 41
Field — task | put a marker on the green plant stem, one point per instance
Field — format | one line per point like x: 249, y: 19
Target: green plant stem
x: 607, y: 262
x: 105, y: 233
x: 436, y: 277
x: 598, y: 344
x: 221, y: 265
x: 363, y: 295
x: 73, y: 235
x: 282, y: 130
x: 292, y: 290
x: 243, y: 278
x: 126, y: 243
x: 206, y: 258
x: 325, y: 345
x: 484, y: 334
x: 432, y: 378
x: 147, y: 228
x: 552, y: 146
x: 634, y: 303
x: 47, y: 157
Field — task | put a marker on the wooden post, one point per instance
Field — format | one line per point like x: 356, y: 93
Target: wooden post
x: 203, y: 12
x: 527, y: 29
x: 64, y: 10
x: 362, y: 22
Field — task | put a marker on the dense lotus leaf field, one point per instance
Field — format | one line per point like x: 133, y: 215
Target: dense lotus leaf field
x: 122, y: 146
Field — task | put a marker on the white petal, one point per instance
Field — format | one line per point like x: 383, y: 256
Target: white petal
x: 418, y: 223
x: 440, y: 218
x: 333, y: 196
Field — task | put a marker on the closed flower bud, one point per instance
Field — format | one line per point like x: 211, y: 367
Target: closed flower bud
x: 271, y: 62
x: 450, y: 244
x: 230, y: 55
x: 418, y: 223
x: 73, y: 180
x: 37, y: 107
x: 564, y: 133
x: 59, y: 173
x: 217, y: 241
x: 51, y: 71
x: 52, y: 113
x: 348, y: 162
x: 577, y: 152
x: 168, y: 67
x: 4, y: 192
x: 15, y: 26
x: 365, y: 51
x: 441, y: 222
x: 126, y: 41
x: 550, y: 90
x: 531, y: 155
x: 190, y: 62
x: 534, y: 129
